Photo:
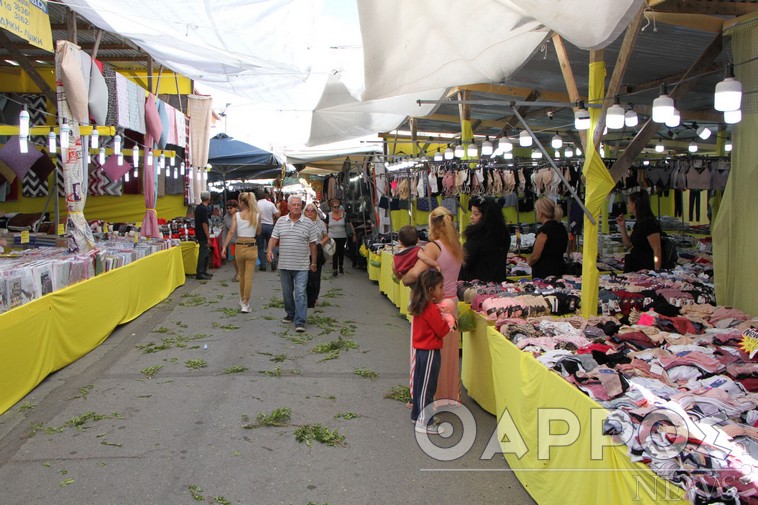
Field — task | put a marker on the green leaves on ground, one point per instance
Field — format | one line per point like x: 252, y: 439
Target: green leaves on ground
x: 277, y: 417
x: 274, y: 303
x: 196, y: 364
x: 399, y: 393
x: 197, y: 493
x: 170, y: 342
x: 347, y: 415
x: 367, y: 373
x: 235, y: 369
x: 150, y: 371
x: 191, y: 300
x: 319, y: 433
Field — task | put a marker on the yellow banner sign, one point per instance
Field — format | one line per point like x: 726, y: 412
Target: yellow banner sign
x: 29, y: 20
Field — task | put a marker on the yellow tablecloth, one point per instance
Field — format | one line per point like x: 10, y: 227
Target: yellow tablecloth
x: 190, y: 252
x: 51, y: 332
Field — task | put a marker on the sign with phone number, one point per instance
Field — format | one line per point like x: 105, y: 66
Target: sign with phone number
x: 29, y: 20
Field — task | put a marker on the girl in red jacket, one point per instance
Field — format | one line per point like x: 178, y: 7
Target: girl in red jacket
x: 429, y: 327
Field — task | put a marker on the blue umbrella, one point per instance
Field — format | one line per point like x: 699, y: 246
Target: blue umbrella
x: 230, y: 158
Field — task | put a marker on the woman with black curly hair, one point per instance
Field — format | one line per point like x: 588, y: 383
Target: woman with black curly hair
x: 487, y: 243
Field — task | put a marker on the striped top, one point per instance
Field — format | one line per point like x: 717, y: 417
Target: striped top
x: 295, y: 238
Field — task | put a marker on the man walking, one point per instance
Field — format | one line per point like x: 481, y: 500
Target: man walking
x: 296, y: 237
x: 268, y: 214
x: 202, y: 233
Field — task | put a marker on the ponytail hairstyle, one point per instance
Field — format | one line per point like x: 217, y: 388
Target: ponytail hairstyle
x: 442, y: 228
x: 248, y: 202
x: 421, y: 295
x: 548, y: 208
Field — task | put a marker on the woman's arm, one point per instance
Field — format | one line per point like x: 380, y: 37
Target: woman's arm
x: 432, y: 251
x: 621, y: 222
x: 539, y: 246
x: 655, y: 243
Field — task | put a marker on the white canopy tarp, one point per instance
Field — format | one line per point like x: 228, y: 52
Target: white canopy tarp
x: 309, y: 54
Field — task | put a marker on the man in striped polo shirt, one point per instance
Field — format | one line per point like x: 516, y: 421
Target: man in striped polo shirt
x: 296, y: 237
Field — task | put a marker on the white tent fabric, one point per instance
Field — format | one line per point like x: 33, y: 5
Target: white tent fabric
x: 289, y: 53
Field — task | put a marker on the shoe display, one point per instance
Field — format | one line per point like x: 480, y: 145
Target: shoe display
x: 300, y: 329
x: 287, y: 320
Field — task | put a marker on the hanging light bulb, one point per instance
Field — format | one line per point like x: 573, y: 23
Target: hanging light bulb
x: 663, y: 106
x: 581, y: 117
x: 728, y: 146
x: 659, y: 147
x: 487, y: 148
x: 65, y: 130
x: 176, y: 172
x: 149, y: 158
x: 117, y: 144
x: 172, y: 160
x: 472, y: 151
x: 578, y: 151
x: 703, y: 132
x: 94, y: 138
x: 52, y: 142
x: 438, y: 156
x: 728, y: 93
x: 524, y: 139
x: 692, y: 147
x: 162, y: 161
x: 126, y: 176
x: 614, y: 116
x: 136, y: 171
x: 568, y: 152
x: 458, y: 152
x: 601, y: 150
x: 449, y: 154
x: 508, y: 155
x: 135, y: 156
x: 557, y: 154
x: 120, y: 159
x: 536, y: 154
x: 101, y: 156
x: 505, y: 145
x: 733, y: 116
x: 630, y: 118
x: 556, y: 142
x: 23, y: 123
x: 646, y: 162
x: 181, y: 169
x: 674, y: 119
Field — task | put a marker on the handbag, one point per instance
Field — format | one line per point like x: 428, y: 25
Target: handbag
x: 330, y: 247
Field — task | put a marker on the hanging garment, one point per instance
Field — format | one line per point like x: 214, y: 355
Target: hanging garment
x: 699, y: 175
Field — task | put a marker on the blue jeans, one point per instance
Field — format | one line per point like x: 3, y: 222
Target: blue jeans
x: 262, y: 241
x: 294, y: 283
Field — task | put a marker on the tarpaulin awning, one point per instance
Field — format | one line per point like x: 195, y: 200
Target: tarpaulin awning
x: 231, y: 158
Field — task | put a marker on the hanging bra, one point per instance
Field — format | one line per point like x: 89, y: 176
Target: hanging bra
x: 699, y: 175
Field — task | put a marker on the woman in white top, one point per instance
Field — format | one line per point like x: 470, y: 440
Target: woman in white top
x: 246, y: 225
x: 314, y: 278
x: 340, y: 230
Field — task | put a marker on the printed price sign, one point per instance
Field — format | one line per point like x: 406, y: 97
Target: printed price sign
x: 25, y: 237
x: 749, y: 342
x: 61, y: 229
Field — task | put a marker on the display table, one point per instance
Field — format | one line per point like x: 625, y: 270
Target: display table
x: 539, y: 406
x: 53, y: 331
x: 214, y: 244
x: 190, y: 251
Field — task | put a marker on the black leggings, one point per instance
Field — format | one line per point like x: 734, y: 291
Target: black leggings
x: 339, y: 254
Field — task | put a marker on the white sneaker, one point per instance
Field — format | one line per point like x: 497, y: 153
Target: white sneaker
x: 245, y: 308
x: 431, y: 429
x: 242, y: 304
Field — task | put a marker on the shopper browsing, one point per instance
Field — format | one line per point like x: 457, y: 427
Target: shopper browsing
x: 340, y: 230
x: 487, y: 243
x: 314, y: 277
x: 551, y: 241
x: 645, y: 239
x: 268, y: 213
x: 296, y: 237
x: 231, y: 209
x: 404, y: 259
x: 246, y: 226
x: 202, y: 234
x: 429, y: 329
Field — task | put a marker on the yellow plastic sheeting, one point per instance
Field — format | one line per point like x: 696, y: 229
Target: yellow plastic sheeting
x: 397, y: 293
x: 374, y: 266
x: 735, y: 241
x: 190, y: 252
x: 476, y: 365
x: 114, y: 209
x: 549, y: 429
x: 400, y: 218
x: 599, y: 184
x: 51, y: 332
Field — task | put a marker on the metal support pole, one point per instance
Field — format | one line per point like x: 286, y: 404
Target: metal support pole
x: 553, y: 165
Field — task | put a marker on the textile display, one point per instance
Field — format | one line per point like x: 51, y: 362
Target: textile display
x: 74, y: 172
x: 68, y: 69
x: 150, y: 226
x: 599, y: 184
x: 19, y: 162
x: 57, y: 330
x: 98, y: 94
x: 200, y: 113
x: 735, y: 224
